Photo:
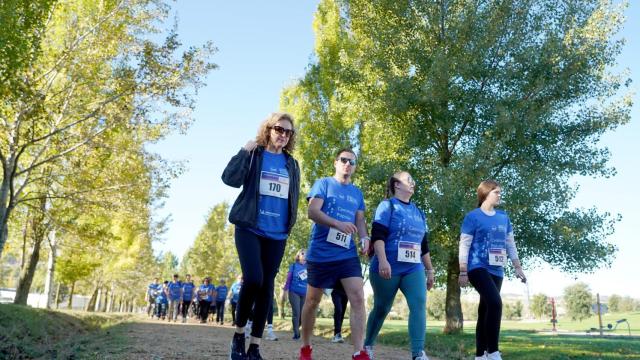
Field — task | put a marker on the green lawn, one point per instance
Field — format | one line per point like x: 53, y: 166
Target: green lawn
x: 519, y: 340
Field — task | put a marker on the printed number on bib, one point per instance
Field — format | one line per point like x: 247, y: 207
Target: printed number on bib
x: 302, y: 275
x: 272, y: 184
x: 339, y: 238
x: 498, y: 256
x: 408, y: 252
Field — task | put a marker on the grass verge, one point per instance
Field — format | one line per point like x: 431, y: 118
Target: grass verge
x: 28, y: 333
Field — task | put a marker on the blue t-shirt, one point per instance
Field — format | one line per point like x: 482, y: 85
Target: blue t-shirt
x: 161, y: 298
x: 235, y: 292
x: 273, y: 203
x: 298, y: 278
x: 407, y: 227
x: 187, y: 291
x: 489, y: 232
x: 174, y: 290
x: 222, y: 293
x: 153, y: 290
x: 341, y: 202
x: 203, y: 289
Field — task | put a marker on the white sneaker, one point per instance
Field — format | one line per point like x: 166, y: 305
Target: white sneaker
x: 369, y: 350
x: 494, y: 356
x: 337, y: 339
x: 271, y: 336
x: 422, y: 356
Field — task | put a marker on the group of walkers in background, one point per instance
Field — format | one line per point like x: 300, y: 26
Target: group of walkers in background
x: 264, y: 213
x: 205, y: 302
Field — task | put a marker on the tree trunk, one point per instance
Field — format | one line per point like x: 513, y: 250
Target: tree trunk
x: 70, y: 301
x: 51, y: 264
x: 57, y: 300
x: 103, y: 307
x: 26, y: 275
x: 111, y: 298
x: 453, y: 308
x: 91, y: 305
x: 5, y: 206
x: 98, y: 300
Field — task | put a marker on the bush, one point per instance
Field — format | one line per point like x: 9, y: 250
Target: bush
x: 540, y: 306
x: 578, y: 300
x: 436, y: 304
x: 512, y: 311
x: 470, y: 310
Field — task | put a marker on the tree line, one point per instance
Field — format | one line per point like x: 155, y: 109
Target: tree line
x: 85, y: 87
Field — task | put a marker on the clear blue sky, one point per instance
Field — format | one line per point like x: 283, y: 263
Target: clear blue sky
x: 265, y: 45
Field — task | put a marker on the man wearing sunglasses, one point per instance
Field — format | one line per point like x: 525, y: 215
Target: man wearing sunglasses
x: 336, y: 207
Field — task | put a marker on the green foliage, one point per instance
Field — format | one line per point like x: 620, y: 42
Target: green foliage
x: 578, y: 300
x: 436, y: 304
x: 213, y: 252
x: 540, y: 307
x: 168, y: 266
x: 518, y: 91
x: 614, y: 303
x: 512, y: 311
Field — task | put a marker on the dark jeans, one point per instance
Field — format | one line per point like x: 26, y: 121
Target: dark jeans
x: 234, y: 306
x: 161, y: 310
x: 220, y: 311
x: 297, y: 302
x: 204, y: 309
x: 489, y: 310
x: 260, y: 259
x: 339, y: 299
x: 186, y: 304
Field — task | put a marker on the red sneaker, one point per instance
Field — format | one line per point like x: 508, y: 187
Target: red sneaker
x: 361, y: 355
x: 305, y: 353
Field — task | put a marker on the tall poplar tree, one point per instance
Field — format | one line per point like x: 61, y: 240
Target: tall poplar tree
x: 457, y: 91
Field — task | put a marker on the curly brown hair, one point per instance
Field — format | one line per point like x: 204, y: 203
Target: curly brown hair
x: 267, y: 124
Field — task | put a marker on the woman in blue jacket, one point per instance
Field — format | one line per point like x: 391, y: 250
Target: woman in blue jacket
x: 296, y: 286
x: 486, y: 241
x: 264, y: 213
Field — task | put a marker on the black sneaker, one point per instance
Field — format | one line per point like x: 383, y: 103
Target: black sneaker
x: 236, y: 351
x: 254, y: 354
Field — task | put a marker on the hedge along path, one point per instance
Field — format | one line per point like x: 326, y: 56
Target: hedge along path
x: 153, y: 339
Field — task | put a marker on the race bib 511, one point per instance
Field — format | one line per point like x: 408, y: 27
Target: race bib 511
x: 339, y: 238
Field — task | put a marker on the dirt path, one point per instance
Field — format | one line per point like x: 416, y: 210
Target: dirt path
x: 152, y: 339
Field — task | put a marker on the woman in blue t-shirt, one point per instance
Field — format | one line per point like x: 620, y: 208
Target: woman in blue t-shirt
x: 263, y: 215
x: 296, y: 286
x: 400, y: 240
x: 486, y: 240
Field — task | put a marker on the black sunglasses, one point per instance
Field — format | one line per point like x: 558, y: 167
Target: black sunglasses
x: 280, y: 130
x: 345, y: 160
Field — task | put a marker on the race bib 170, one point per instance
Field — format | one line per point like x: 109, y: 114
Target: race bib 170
x: 273, y: 184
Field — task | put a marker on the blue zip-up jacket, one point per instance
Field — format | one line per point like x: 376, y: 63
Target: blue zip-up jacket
x: 243, y: 170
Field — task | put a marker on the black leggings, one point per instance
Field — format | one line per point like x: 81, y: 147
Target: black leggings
x: 489, y: 310
x: 204, y: 309
x: 186, y: 304
x: 260, y: 259
x: 339, y: 298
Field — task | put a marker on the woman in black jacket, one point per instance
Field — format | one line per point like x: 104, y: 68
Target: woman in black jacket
x: 263, y: 214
